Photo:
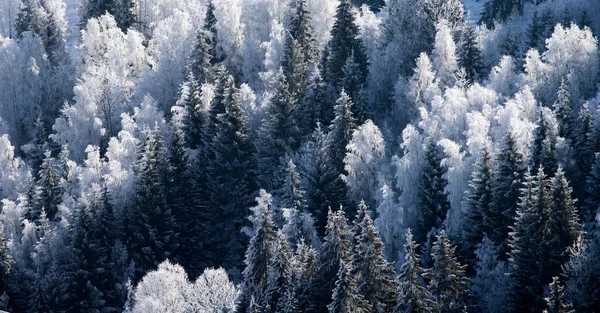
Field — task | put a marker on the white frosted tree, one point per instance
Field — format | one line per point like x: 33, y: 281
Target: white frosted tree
x: 445, y: 61
x: 422, y: 86
x: 490, y: 284
x: 167, y: 289
x: 363, y: 161
x: 504, y: 78
x: 23, y: 70
x: 111, y: 63
x: 571, y: 54
x: 390, y: 221
x: 169, y: 50
x: 213, y: 292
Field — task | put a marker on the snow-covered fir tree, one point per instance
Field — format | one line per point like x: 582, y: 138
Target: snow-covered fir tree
x: 261, y: 251
x: 374, y: 274
x: 336, y: 249
x: 345, y: 298
x: 150, y: 223
x: 433, y: 199
x: 448, y: 284
x: 413, y: 295
x: 556, y: 298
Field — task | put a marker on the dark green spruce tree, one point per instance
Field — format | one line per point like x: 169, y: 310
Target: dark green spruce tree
x: 280, y: 271
x: 354, y: 86
x: 374, y: 274
x: 183, y: 200
x: 299, y: 49
x: 150, y: 225
x: 508, y: 175
x: 592, y: 196
x: 201, y: 59
x: 343, y: 44
x: 212, y: 38
x: 279, y: 132
x: 555, y: 302
x: 413, y: 296
x: 500, y: 10
x: 543, y: 146
x: 584, y: 147
x: 433, y: 199
x: 338, y: 137
x: 564, y: 113
x: 314, y: 106
x: 561, y: 227
x: 258, y: 255
x: 111, y: 255
x: 48, y: 192
x: 448, y: 284
x: 303, y: 276
x: 314, y: 158
x: 336, y: 249
x: 345, y: 297
x: 479, y: 216
x: 525, y: 240
x: 194, y: 120
x: 86, y: 263
x: 230, y: 180
x: 469, y: 54
x: 122, y: 10
x: 39, y: 145
x: 297, y: 226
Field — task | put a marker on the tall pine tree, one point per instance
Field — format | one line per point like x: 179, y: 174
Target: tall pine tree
x: 338, y: 137
x: 433, y: 198
x: 561, y: 227
x: 448, y: 284
x: 469, y: 54
x: 345, y: 297
x: 413, y: 296
x: 374, y: 274
x: 280, y: 132
x: 543, y: 145
x: 151, y: 226
x: 508, y: 174
x: 183, y: 200
x: 299, y: 49
x: 563, y: 112
x: 525, y: 239
x: 258, y: 255
x: 86, y: 258
x: 230, y: 180
x: 336, y: 249
x: 343, y: 44
x: 48, y: 191
x: 479, y: 217
x: 500, y: 10
x: 556, y: 299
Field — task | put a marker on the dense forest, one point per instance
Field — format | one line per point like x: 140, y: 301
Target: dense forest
x: 287, y: 156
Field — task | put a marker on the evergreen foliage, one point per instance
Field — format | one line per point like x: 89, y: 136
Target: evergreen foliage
x: 343, y: 44
x: 479, y: 216
x: 374, y: 274
x: 508, y: 175
x: 261, y: 250
x: 500, y: 10
x: 150, y: 224
x: 413, y: 296
x: 433, y: 198
x: 556, y: 300
x: 336, y: 250
x: 448, y: 284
